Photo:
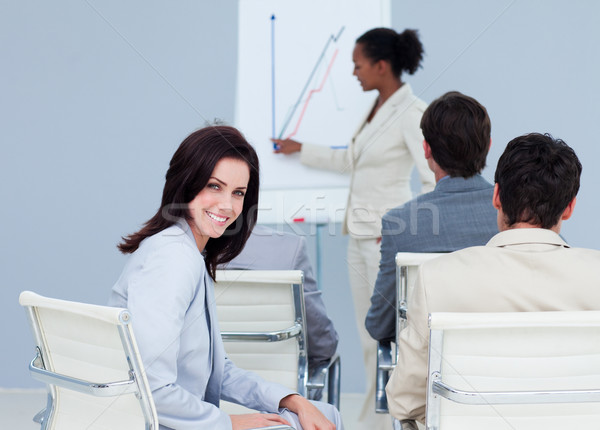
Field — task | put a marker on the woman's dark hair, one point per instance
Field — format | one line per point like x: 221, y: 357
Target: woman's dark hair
x: 404, y: 51
x: 189, y: 172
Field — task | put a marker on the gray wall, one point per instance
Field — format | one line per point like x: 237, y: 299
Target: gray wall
x: 95, y: 96
x: 533, y: 63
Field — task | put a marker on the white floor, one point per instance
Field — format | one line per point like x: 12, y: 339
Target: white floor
x: 17, y: 407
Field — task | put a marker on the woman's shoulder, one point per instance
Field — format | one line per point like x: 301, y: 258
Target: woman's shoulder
x: 408, y: 101
x: 173, y: 246
x: 175, y: 234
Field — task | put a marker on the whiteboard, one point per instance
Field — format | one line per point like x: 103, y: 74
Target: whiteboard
x: 295, y: 80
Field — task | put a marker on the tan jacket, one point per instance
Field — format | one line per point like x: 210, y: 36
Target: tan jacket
x: 380, y: 159
x: 518, y: 270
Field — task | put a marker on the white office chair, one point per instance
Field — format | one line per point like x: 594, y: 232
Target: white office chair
x: 262, y: 319
x: 407, y: 264
x: 88, y: 358
x: 523, y: 370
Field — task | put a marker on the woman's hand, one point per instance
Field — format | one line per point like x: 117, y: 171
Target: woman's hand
x: 310, y: 417
x: 251, y: 421
x: 286, y: 146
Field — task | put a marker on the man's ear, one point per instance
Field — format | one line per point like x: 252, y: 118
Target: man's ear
x: 569, y: 209
x: 496, y: 197
x: 426, y: 150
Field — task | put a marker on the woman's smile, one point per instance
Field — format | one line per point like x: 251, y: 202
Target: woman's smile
x: 217, y: 218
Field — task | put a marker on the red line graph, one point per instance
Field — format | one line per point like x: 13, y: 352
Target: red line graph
x: 311, y: 92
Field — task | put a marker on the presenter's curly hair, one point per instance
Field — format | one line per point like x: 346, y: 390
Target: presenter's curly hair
x: 189, y: 172
x: 404, y: 51
x: 537, y: 177
x: 457, y: 128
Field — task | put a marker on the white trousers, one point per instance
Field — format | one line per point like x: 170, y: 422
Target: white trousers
x: 363, y: 265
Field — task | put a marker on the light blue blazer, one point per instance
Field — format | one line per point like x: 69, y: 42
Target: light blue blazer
x: 166, y: 287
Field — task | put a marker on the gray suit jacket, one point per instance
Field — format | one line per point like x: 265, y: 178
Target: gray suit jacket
x: 270, y: 250
x: 520, y: 270
x: 166, y: 287
x: 457, y: 214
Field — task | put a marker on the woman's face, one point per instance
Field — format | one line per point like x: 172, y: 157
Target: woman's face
x: 221, y: 201
x: 365, y: 70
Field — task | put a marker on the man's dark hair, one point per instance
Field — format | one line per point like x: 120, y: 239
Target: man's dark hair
x: 457, y: 129
x: 537, y: 177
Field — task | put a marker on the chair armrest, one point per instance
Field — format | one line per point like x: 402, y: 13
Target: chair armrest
x: 404, y: 424
x: 384, y: 356
x: 250, y: 336
x: 332, y: 371
x: 317, y: 379
x: 514, y: 397
x: 100, y: 389
x: 282, y: 427
x: 385, y: 365
x: 40, y: 417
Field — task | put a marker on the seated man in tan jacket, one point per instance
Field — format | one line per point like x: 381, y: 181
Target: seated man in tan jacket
x: 525, y: 267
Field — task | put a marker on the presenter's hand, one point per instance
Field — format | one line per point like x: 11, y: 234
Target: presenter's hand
x: 286, y: 146
x: 310, y: 417
x: 252, y: 421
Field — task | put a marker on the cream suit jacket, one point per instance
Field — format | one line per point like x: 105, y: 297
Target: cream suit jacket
x: 380, y: 159
x: 518, y: 270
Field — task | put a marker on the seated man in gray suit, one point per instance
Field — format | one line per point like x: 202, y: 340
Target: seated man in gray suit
x: 267, y: 249
x: 456, y: 214
x: 525, y: 267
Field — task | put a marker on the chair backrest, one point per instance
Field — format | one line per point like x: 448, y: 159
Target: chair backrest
x: 522, y: 370
x: 407, y: 266
x: 262, y: 320
x: 87, y: 356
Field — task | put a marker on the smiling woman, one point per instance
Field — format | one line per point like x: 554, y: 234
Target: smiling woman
x: 218, y: 205
x: 206, y: 216
x: 193, y: 172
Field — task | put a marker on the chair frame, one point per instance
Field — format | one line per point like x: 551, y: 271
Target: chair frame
x: 437, y: 389
x: 135, y: 384
x: 328, y: 375
x: 386, y: 359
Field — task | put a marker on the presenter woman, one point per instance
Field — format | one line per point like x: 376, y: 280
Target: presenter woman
x: 206, y: 215
x: 380, y: 158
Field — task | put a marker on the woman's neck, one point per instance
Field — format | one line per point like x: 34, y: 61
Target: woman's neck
x: 386, y: 91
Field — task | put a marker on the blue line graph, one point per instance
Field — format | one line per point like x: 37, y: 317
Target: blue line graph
x: 273, y: 78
